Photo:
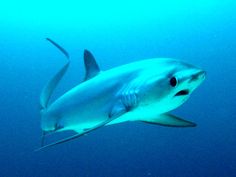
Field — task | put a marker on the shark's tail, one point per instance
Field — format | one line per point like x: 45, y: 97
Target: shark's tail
x: 73, y: 136
x: 49, y: 88
x: 52, y: 84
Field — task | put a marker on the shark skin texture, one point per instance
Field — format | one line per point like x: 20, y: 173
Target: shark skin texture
x: 146, y: 90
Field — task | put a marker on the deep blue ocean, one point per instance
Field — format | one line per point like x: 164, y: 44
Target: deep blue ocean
x: 202, y: 33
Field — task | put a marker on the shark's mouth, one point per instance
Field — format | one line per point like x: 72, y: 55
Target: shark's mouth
x: 182, y: 93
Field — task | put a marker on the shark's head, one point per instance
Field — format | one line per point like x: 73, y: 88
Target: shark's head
x: 170, y: 84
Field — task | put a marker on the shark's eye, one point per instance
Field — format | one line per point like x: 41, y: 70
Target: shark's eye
x: 173, y: 81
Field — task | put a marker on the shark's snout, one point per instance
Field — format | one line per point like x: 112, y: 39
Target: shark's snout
x: 194, y: 79
x: 200, y: 75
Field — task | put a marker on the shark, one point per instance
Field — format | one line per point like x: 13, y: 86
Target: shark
x: 145, y: 91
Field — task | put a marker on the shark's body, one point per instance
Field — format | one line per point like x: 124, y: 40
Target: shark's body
x: 141, y: 91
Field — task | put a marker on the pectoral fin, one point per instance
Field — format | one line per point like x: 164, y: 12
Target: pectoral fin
x: 117, y: 110
x: 170, y: 121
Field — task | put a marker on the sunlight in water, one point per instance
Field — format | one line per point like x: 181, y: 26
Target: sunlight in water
x: 103, y: 12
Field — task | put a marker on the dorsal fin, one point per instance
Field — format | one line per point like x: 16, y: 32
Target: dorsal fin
x: 91, y: 66
x: 52, y: 84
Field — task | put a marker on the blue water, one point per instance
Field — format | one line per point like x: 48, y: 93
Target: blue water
x: 118, y: 32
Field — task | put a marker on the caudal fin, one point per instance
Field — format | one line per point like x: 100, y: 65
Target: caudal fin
x: 52, y: 84
x: 77, y: 135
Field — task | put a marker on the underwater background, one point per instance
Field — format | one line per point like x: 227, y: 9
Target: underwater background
x: 201, y: 32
